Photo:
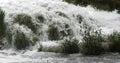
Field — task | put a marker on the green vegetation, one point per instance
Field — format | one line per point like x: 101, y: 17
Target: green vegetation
x: 91, y: 44
x: 114, y: 38
x: 40, y: 18
x: 66, y: 32
x: 61, y: 14
x: 35, y: 39
x: 40, y: 48
x: 26, y: 20
x: 70, y: 46
x: 80, y: 18
x: 9, y: 36
x: 21, y: 42
x: 53, y: 33
x: 99, y: 4
x: 2, y: 24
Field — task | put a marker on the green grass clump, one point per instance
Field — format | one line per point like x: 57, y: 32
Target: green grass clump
x: 91, y: 44
x: 91, y: 48
x: 26, y: 20
x: 9, y: 37
x: 70, y: 46
x: 21, y: 42
x: 40, y: 48
x: 35, y: 39
x: 114, y: 38
x: 40, y: 18
x: 53, y: 33
x: 2, y: 24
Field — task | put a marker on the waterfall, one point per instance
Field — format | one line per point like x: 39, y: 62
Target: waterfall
x: 63, y: 18
x: 48, y: 22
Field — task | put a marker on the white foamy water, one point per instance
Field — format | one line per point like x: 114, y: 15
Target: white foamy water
x: 107, y: 21
x: 10, y: 56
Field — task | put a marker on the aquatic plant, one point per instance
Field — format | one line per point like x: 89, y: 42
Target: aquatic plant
x: 21, y: 42
x: 40, y: 18
x: 24, y: 19
x: 91, y: 44
x: 2, y: 24
x: 70, y: 46
x: 53, y: 33
x: 114, y: 38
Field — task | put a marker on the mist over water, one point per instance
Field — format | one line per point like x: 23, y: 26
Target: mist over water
x: 59, y: 14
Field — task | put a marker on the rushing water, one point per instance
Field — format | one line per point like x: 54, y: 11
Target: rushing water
x: 48, y: 57
x: 50, y: 9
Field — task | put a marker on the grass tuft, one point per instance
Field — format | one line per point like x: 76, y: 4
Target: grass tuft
x: 114, y: 38
x: 70, y: 46
x: 40, y: 18
x: 21, y: 42
x: 91, y: 44
x: 2, y: 24
x: 9, y: 37
x: 53, y: 33
x: 26, y: 20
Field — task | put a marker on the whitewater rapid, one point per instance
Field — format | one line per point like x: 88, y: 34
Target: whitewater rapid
x: 107, y: 21
x: 99, y: 19
x: 10, y: 56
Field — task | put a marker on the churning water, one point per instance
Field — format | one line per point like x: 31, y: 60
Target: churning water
x: 57, y: 13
